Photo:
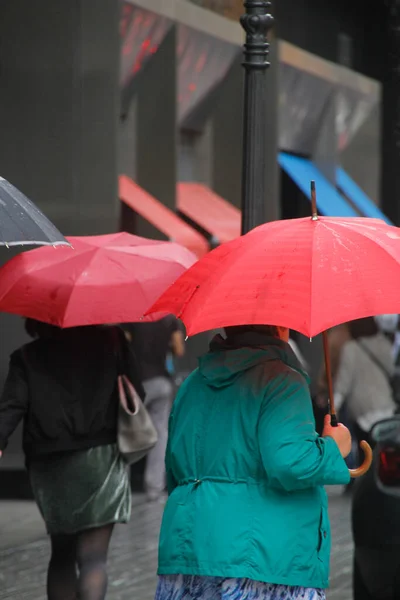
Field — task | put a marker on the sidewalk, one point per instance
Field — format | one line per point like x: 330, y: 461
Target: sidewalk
x: 24, y: 552
x: 20, y: 523
x: 342, y: 546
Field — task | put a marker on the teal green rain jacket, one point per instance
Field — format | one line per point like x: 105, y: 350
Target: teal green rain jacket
x: 246, y: 471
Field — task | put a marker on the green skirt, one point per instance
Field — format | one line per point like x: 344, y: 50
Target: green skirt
x: 81, y: 490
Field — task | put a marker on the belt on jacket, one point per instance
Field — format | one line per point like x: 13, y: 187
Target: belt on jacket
x: 196, y: 482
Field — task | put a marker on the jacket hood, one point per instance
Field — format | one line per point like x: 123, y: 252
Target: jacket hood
x: 228, y: 359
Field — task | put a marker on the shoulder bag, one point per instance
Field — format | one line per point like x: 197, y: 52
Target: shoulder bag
x: 136, y: 433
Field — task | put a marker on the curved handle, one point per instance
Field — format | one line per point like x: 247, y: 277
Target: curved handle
x: 362, y: 469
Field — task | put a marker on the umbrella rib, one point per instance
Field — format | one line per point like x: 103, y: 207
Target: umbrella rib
x: 93, y: 250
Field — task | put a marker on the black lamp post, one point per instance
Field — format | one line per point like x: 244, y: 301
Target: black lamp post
x: 390, y: 139
x: 256, y: 22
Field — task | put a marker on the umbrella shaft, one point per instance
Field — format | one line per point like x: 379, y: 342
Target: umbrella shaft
x: 328, y: 372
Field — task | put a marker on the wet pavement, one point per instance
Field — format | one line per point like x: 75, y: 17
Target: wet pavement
x: 24, y: 552
x: 342, y: 546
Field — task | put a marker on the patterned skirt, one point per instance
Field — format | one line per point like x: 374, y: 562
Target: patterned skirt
x: 189, y: 587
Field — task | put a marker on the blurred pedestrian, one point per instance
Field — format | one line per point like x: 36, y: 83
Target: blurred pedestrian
x: 63, y: 385
x: 389, y: 325
x: 396, y: 341
x: 363, y: 378
x: 247, y: 514
x: 152, y: 342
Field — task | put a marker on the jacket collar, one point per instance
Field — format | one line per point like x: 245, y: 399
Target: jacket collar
x: 275, y: 349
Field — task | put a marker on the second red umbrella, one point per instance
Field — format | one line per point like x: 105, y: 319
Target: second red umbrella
x: 101, y: 279
x: 305, y: 274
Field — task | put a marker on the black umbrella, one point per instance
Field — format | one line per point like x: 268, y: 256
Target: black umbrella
x: 22, y: 223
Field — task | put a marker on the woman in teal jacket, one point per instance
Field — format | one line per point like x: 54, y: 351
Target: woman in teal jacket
x: 246, y: 516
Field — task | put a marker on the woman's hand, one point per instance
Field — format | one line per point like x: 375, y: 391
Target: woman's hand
x: 340, y: 434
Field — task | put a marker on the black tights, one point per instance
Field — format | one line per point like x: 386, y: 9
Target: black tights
x: 78, y: 565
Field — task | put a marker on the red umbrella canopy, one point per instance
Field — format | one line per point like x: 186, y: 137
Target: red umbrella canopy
x: 305, y: 274
x: 101, y: 279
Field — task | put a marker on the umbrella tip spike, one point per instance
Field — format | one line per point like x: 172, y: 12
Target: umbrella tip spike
x: 186, y: 338
x: 314, y: 211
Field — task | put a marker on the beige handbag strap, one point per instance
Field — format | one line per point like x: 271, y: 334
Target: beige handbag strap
x: 125, y: 384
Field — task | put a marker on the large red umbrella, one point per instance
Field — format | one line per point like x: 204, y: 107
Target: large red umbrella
x: 101, y: 279
x: 305, y: 274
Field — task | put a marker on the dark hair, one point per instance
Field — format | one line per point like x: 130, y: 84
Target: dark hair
x: 363, y: 328
x: 30, y: 327
x: 270, y: 330
x: 39, y: 329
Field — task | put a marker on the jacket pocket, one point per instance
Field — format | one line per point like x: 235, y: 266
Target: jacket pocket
x: 324, y: 534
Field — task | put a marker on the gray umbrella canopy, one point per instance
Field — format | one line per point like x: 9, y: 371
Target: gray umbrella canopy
x: 22, y: 223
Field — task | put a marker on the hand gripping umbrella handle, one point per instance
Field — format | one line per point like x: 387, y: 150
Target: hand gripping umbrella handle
x: 362, y: 469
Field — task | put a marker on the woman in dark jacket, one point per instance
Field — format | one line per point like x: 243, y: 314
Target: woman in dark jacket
x: 63, y: 386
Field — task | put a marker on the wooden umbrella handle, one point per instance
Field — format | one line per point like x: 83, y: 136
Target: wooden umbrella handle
x: 362, y: 469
